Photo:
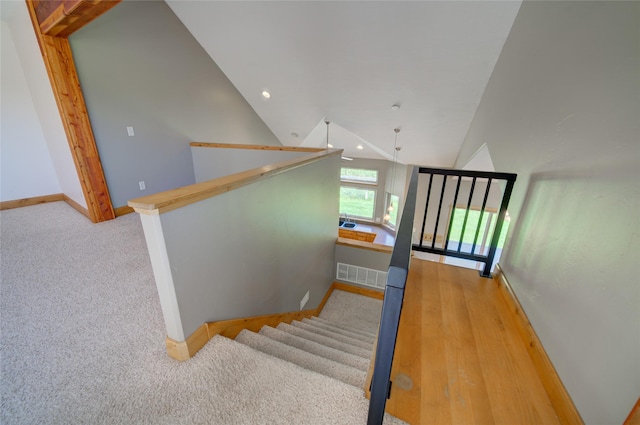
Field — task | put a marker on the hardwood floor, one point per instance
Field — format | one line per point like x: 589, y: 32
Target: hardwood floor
x: 459, y: 343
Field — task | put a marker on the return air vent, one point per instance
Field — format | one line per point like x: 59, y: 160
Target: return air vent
x: 361, y: 275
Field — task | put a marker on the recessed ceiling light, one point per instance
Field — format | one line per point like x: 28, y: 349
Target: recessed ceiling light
x: 360, y: 147
x: 329, y: 145
x: 395, y: 107
x: 266, y: 94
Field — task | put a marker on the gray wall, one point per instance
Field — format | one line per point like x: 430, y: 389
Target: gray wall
x: 210, y: 163
x: 252, y: 251
x: 140, y: 67
x: 562, y: 110
x: 362, y: 258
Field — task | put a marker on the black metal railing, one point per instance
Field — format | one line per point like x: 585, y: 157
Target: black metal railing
x: 498, y: 187
x: 392, y: 307
x: 401, y: 255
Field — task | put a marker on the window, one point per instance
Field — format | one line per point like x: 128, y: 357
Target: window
x: 357, y: 202
x: 357, y: 175
x: 392, y: 204
x: 358, y: 192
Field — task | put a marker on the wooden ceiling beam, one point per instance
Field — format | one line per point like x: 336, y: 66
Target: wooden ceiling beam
x: 61, y: 18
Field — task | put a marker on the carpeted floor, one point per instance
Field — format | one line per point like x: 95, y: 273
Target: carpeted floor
x: 82, y: 339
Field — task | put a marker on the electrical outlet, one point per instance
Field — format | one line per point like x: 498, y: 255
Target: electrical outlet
x: 142, y: 185
x: 130, y: 131
x: 304, y: 300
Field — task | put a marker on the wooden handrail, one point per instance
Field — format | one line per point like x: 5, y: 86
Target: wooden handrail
x: 255, y: 147
x: 172, y: 199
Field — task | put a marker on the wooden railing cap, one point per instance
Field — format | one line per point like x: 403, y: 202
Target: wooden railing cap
x: 172, y: 199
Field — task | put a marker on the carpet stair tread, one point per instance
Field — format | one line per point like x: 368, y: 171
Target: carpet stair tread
x: 330, y: 334
x: 324, y: 340
x: 340, y: 331
x: 340, y: 326
x: 315, y: 348
x: 330, y: 368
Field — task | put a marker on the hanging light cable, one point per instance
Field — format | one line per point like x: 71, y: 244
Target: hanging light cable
x: 327, y: 122
x: 387, y: 216
x: 396, y: 149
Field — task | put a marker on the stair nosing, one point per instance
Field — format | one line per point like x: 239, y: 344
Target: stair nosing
x: 325, y: 340
x: 363, y: 338
x: 332, y: 369
x: 340, y: 326
x: 336, y: 336
x: 356, y: 361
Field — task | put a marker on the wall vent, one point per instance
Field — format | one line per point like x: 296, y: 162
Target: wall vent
x: 361, y: 275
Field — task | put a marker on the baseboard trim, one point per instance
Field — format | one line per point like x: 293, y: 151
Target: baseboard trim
x: 634, y: 415
x: 372, y: 293
x: 124, y: 210
x: 76, y: 206
x: 558, y: 395
x: 184, y: 350
x: 27, y: 202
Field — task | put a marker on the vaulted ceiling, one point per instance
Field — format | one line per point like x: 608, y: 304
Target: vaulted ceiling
x: 348, y: 62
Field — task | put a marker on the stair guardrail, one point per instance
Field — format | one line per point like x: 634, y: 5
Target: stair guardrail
x: 392, y: 306
x: 401, y: 256
x: 504, y: 180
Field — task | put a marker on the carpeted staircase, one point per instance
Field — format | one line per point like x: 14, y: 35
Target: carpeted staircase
x: 316, y: 344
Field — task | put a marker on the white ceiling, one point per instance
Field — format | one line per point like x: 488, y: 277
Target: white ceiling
x: 350, y: 61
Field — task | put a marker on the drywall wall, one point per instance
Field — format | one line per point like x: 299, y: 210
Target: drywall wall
x: 140, y: 67
x: 210, y: 163
x: 25, y: 165
x: 251, y: 251
x: 41, y: 95
x: 562, y: 110
x: 362, y: 258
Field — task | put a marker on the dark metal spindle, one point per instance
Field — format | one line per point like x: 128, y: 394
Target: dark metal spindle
x: 426, y: 208
x: 435, y: 230
x: 496, y: 232
x: 484, y: 204
x: 466, y: 213
x: 453, y: 210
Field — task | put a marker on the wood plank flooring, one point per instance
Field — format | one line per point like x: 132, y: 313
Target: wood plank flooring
x: 460, y: 346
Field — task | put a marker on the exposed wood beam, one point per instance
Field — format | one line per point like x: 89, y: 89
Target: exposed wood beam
x: 60, y: 18
x: 58, y: 59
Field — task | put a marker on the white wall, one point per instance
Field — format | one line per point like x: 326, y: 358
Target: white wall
x: 251, y: 251
x: 562, y: 109
x: 25, y: 165
x: 46, y: 109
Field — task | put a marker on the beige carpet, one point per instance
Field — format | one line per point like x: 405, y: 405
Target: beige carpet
x: 82, y: 340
